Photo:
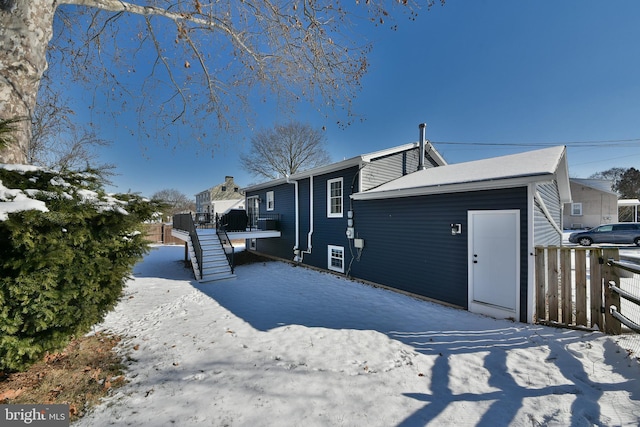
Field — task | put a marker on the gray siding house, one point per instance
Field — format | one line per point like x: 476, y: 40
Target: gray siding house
x: 594, y: 203
x: 461, y: 234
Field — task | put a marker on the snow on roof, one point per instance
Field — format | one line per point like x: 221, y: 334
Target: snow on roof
x: 496, y: 172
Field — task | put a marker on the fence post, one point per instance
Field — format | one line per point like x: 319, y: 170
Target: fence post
x: 581, y: 287
x: 541, y: 295
x: 552, y: 271
x: 565, y: 286
x: 596, y: 288
x: 610, y: 274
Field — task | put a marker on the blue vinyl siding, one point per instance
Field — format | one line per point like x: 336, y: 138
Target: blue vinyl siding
x: 329, y: 231
x: 284, y: 205
x: 408, y: 243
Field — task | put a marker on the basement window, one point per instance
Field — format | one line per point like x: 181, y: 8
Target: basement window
x: 336, y: 258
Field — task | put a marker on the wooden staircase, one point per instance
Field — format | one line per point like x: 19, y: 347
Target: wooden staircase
x: 215, y: 265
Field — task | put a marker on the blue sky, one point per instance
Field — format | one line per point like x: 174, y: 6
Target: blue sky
x: 523, y: 74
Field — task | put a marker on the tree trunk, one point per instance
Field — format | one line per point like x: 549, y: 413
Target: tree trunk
x: 26, y: 27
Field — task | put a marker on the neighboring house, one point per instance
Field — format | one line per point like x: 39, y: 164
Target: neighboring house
x: 461, y: 234
x: 628, y: 210
x: 220, y: 199
x: 594, y: 203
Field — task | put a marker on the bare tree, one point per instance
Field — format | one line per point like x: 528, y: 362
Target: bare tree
x: 175, y: 62
x: 58, y: 143
x: 174, y: 201
x: 285, y: 150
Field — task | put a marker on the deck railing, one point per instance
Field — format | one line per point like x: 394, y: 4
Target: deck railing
x: 627, y: 289
x: 227, y: 246
x: 262, y: 221
x: 185, y: 222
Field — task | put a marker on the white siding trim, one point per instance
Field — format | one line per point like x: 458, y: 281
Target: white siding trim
x: 546, y: 212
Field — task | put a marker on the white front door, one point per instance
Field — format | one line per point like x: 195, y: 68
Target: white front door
x: 494, y: 263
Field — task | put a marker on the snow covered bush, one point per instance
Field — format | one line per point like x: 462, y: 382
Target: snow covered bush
x: 66, y: 250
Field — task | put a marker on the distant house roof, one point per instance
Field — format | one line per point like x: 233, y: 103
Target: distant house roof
x: 353, y: 161
x: 596, y: 184
x: 497, y: 172
x: 228, y: 190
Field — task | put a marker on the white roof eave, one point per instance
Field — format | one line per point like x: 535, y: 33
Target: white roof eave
x: 453, y: 187
x: 354, y: 161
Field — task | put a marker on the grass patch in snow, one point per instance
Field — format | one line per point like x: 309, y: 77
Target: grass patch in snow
x: 80, y: 375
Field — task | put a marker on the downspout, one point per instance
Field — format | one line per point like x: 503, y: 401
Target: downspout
x: 295, y: 248
x: 310, y: 233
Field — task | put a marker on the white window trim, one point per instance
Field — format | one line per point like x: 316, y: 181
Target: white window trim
x: 270, y: 201
x: 573, y: 209
x: 335, y: 214
x: 331, y: 267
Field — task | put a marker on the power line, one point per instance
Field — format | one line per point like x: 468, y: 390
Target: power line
x: 575, y: 144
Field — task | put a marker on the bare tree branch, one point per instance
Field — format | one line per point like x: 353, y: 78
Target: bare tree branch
x: 285, y: 150
x: 249, y: 52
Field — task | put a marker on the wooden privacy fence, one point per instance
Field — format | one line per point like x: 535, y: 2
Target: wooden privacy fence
x: 161, y: 233
x: 570, y: 287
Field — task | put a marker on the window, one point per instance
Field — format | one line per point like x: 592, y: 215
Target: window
x: 576, y: 209
x: 270, y: 201
x: 336, y: 258
x: 224, y: 188
x: 334, y: 198
x: 625, y: 227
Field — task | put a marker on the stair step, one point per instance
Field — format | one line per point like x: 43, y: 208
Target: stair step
x: 214, y: 256
x: 215, y: 270
x: 224, y: 265
x: 217, y: 276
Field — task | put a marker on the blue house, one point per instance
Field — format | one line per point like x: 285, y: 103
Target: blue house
x: 461, y: 234
x: 312, y: 206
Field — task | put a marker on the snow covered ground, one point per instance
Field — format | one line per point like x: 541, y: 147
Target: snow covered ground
x: 287, y: 346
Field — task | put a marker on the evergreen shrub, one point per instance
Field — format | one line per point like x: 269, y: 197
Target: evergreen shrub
x: 64, y: 260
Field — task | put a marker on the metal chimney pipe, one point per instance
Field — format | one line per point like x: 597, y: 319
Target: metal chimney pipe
x: 423, y: 130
